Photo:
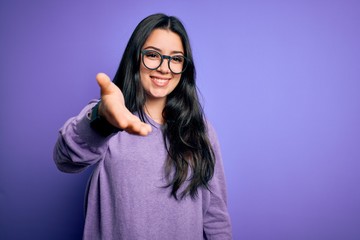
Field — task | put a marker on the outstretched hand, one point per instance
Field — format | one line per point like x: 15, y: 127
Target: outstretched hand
x: 113, y: 109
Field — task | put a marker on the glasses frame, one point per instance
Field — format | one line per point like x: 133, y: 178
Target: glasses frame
x: 169, y: 58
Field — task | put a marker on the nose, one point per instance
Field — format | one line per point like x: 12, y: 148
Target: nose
x: 164, y: 66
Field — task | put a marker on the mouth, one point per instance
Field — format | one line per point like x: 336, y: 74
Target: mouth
x: 160, y: 82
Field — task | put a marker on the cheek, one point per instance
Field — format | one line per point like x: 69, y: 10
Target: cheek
x: 142, y: 70
x: 176, y: 81
x: 144, y: 73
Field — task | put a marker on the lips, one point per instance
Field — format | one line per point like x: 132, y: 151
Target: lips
x: 160, y: 82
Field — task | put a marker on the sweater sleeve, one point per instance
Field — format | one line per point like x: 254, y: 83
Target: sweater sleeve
x: 217, y: 223
x: 78, y: 145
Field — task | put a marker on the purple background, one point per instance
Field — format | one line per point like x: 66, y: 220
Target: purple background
x: 280, y: 82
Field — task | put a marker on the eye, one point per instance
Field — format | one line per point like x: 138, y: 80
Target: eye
x: 152, y: 54
x: 178, y: 59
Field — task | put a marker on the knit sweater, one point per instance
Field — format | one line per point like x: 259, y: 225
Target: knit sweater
x: 126, y: 197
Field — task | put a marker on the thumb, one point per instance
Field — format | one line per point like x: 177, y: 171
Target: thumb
x: 104, y: 83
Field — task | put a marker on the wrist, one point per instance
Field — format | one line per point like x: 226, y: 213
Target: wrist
x: 100, y: 109
x: 100, y: 124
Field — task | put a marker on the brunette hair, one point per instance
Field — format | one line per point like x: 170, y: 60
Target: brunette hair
x: 185, y: 129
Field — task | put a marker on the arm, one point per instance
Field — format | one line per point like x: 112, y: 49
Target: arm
x: 78, y: 145
x: 217, y: 223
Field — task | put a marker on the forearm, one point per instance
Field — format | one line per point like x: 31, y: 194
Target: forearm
x: 217, y: 224
x: 78, y: 145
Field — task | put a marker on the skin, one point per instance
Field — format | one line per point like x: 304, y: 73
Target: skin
x: 158, y: 84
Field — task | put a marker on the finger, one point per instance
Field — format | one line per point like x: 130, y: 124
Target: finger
x: 138, y: 127
x: 145, y: 130
x: 104, y: 83
x: 125, y: 119
x: 142, y: 131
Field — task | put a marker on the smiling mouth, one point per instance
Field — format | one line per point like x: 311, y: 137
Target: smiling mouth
x: 161, y: 82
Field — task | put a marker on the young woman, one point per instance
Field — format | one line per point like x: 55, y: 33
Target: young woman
x: 159, y: 172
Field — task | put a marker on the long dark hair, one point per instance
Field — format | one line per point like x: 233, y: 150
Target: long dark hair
x: 185, y: 132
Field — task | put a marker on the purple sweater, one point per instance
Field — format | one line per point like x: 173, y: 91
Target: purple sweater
x: 126, y: 198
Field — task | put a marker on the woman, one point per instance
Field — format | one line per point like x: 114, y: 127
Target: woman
x: 159, y: 172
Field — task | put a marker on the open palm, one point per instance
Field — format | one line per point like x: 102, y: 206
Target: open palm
x: 113, y: 108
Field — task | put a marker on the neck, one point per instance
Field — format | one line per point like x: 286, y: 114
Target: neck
x: 154, y: 108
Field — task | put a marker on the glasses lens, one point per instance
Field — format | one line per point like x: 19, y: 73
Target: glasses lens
x: 151, y: 59
x: 177, y: 64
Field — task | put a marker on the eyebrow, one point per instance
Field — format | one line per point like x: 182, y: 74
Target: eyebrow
x: 159, y: 50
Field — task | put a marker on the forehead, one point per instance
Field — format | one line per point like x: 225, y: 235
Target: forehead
x: 165, y: 40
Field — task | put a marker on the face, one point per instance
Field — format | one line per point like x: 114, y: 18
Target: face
x: 161, y: 82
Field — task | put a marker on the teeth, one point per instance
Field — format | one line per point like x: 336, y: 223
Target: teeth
x: 160, y: 80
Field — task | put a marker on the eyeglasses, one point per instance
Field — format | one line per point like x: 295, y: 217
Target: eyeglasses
x: 153, y: 60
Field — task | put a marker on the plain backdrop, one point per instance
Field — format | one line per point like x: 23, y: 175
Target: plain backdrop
x: 279, y: 81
